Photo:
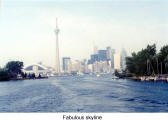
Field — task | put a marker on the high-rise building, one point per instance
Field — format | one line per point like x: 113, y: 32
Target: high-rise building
x: 94, y: 57
x: 117, y: 61
x: 95, y: 68
x: 109, y: 53
x: 57, y: 66
x: 123, y: 58
x: 90, y: 68
x: 112, y: 58
x: 100, y: 67
x: 84, y: 66
x: 76, y: 66
x: 66, y: 64
x: 102, y: 55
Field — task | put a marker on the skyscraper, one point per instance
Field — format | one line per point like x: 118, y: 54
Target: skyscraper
x: 109, y: 53
x: 117, y: 61
x: 102, y: 55
x: 94, y: 57
x: 112, y: 58
x: 123, y: 58
x: 57, y: 66
x: 66, y: 64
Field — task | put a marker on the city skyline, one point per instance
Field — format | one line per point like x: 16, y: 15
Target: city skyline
x: 27, y: 28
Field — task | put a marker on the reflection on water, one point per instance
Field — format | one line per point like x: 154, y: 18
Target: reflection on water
x: 83, y: 94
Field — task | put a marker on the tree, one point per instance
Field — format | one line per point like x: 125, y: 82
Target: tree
x: 24, y: 75
x: 166, y: 64
x: 29, y: 76
x: 14, y: 68
x: 162, y: 56
x: 4, y: 75
x: 116, y: 73
x: 33, y: 75
x: 39, y: 76
x: 138, y: 63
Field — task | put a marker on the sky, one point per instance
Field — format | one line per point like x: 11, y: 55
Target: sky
x: 27, y: 27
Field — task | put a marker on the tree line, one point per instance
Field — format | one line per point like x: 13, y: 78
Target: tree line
x: 13, y: 70
x: 148, y: 61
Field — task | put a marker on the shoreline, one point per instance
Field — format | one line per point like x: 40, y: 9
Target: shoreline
x: 140, y: 79
x: 17, y: 79
x: 148, y: 79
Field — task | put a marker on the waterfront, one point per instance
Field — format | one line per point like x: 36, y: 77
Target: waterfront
x: 83, y: 94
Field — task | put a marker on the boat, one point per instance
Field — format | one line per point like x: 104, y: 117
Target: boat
x: 142, y: 78
x: 97, y: 75
x: 80, y: 73
x: 115, y: 77
x: 155, y: 78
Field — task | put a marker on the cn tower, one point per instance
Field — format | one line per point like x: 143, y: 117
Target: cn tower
x: 57, y: 65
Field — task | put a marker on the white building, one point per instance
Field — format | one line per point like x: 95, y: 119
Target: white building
x: 76, y: 66
x: 36, y: 69
x: 117, y: 61
x: 123, y: 59
x: 90, y: 68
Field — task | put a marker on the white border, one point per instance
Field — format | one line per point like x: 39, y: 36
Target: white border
x: 105, y: 116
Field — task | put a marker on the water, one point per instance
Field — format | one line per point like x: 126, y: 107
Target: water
x: 83, y: 94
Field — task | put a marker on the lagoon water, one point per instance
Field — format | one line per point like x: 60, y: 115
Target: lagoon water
x: 83, y: 94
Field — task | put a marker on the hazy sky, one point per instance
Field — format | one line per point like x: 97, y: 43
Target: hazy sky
x: 27, y: 27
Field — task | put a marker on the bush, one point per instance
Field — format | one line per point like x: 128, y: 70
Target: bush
x: 4, y: 76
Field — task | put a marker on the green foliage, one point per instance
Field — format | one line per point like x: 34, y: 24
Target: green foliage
x: 116, y: 73
x: 25, y: 75
x: 11, y: 70
x: 39, y: 76
x: 148, y: 62
x: 4, y: 75
x: 31, y: 76
x: 14, y: 68
x: 163, y: 59
x: 166, y: 63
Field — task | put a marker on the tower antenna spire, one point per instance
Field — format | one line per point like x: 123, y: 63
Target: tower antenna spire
x: 56, y: 23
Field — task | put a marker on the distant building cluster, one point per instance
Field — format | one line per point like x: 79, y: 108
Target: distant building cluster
x: 101, y: 61
x: 74, y: 67
x: 106, y: 61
